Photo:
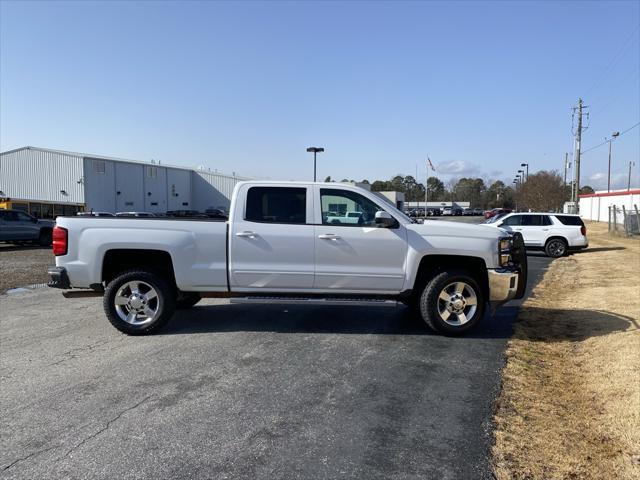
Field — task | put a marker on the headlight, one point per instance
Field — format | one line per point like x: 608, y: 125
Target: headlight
x: 504, y: 251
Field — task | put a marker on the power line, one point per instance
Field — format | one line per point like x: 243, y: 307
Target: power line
x: 600, y: 144
x: 613, y: 62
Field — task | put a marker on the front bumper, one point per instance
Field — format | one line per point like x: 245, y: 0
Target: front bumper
x: 59, y: 278
x: 503, y: 285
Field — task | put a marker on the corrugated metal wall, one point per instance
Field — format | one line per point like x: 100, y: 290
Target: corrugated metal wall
x: 110, y: 185
x: 179, y: 185
x: 212, y: 189
x: 31, y: 174
x: 100, y: 185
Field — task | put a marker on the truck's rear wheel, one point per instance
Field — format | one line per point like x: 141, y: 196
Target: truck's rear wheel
x: 452, y: 302
x: 139, y: 302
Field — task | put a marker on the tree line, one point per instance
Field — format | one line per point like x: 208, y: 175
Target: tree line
x: 542, y: 191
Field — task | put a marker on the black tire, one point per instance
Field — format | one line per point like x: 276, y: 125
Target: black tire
x: 165, y: 306
x: 431, y: 304
x: 555, y: 247
x: 45, y: 237
x: 187, y: 300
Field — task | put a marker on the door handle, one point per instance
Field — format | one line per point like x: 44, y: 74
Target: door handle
x: 246, y: 234
x: 545, y: 229
x: 519, y: 229
x: 329, y: 236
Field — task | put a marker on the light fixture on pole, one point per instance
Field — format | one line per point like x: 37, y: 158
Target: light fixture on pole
x: 614, y: 135
x: 526, y: 165
x: 315, y: 151
x: 521, y: 172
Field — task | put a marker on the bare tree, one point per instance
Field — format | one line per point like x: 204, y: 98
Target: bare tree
x: 543, y: 191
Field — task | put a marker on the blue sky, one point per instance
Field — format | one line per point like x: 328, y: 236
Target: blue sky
x: 245, y: 87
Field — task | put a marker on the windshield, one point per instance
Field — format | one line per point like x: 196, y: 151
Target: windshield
x: 495, y: 218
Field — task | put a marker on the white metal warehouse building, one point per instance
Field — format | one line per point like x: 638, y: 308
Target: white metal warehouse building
x: 47, y: 183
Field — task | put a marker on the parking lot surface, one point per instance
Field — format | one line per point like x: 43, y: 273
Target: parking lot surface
x: 245, y: 391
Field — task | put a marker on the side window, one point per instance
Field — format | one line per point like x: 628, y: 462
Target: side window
x: 532, y: 220
x: 276, y: 205
x: 343, y: 207
x: 10, y: 217
x: 512, y: 221
x: 23, y: 217
x: 546, y: 220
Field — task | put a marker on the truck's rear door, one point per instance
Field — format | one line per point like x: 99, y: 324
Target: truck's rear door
x: 271, y: 244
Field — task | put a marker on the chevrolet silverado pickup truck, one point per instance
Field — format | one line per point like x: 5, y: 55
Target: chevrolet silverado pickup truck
x: 283, y: 243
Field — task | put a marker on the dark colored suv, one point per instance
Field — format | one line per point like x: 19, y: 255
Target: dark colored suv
x: 17, y: 226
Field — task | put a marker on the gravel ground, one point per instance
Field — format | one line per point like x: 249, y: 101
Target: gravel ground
x: 21, y: 266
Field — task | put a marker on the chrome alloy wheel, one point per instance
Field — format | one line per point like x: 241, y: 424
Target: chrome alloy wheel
x: 457, y: 303
x: 137, y: 303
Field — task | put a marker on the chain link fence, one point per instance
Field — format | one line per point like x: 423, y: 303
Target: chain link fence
x: 623, y: 220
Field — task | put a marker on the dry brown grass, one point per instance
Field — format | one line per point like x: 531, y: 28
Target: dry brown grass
x: 570, y: 403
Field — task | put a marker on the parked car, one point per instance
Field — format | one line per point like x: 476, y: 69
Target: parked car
x: 447, y: 211
x: 556, y: 233
x: 186, y: 214
x: 467, y: 212
x: 17, y: 226
x: 135, y: 214
x: 95, y: 214
x: 456, y: 211
x: 216, y: 213
x: 278, y: 247
x: 496, y: 211
x: 478, y: 211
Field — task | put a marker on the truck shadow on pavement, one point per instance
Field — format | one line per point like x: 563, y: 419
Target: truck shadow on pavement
x: 599, y: 249
x: 377, y: 321
x: 557, y: 325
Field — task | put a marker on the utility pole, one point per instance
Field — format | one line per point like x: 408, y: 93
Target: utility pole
x: 566, y: 162
x: 613, y: 135
x: 576, y: 158
x: 629, y: 180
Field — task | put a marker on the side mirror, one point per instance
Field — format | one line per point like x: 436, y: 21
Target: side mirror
x: 384, y: 219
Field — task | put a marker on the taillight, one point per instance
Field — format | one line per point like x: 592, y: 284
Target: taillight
x: 583, y: 230
x: 59, y: 241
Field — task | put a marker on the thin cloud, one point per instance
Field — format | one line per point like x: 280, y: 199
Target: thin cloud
x: 458, y: 167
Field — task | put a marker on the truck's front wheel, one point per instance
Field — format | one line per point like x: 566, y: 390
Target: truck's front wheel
x: 452, y: 302
x: 139, y: 302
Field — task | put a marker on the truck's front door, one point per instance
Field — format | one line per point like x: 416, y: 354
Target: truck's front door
x: 356, y: 255
x: 272, y: 239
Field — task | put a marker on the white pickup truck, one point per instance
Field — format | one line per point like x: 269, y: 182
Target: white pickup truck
x: 282, y: 243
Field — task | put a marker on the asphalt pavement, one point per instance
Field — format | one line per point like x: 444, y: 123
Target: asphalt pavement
x: 245, y: 391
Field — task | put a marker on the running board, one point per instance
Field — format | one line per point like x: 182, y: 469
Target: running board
x: 355, y: 301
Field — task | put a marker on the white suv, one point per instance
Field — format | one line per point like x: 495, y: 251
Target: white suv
x: 556, y: 233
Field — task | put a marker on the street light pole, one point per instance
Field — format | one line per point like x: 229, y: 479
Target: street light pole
x: 315, y: 150
x: 526, y: 165
x: 629, y: 180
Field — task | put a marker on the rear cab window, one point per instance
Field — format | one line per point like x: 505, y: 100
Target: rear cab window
x: 276, y: 205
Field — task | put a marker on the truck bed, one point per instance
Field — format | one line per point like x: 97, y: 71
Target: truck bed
x: 197, y: 247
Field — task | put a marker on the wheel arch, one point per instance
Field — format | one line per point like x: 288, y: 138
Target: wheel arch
x: 118, y: 260
x: 556, y: 237
x: 432, y: 265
